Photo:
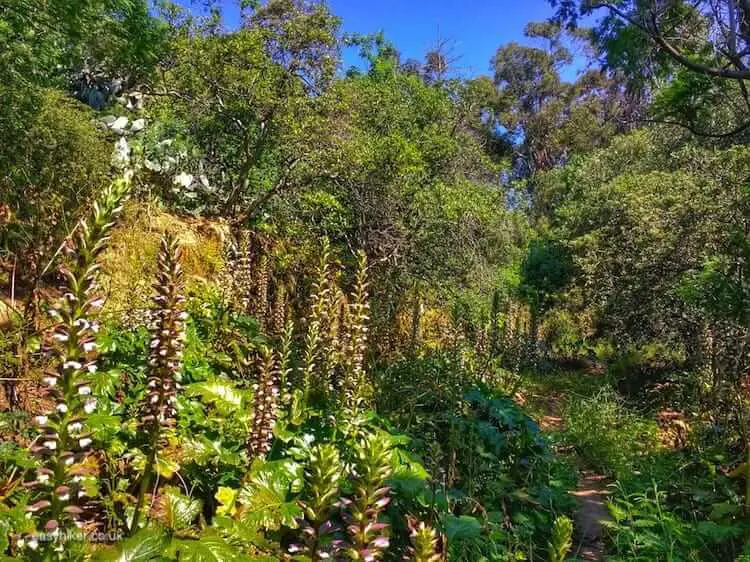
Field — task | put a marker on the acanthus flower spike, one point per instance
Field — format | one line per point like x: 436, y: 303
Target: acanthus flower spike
x: 165, y: 364
x: 265, y: 402
x: 71, y: 343
x: 367, y: 535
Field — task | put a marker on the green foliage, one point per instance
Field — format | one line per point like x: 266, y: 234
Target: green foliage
x: 545, y: 271
x: 561, y: 541
x: 643, y: 527
x: 145, y: 546
x: 565, y: 334
x: 609, y: 436
x: 264, y: 501
x: 58, y: 140
x: 491, y: 453
x: 49, y: 43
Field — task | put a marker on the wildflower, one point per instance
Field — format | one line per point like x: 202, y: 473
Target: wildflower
x: 90, y: 406
x: 264, y: 406
x: 164, y: 359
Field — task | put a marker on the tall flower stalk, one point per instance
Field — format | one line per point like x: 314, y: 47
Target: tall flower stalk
x: 367, y: 538
x: 260, y: 303
x: 561, y: 540
x: 357, y: 317
x: 425, y: 543
x: 279, y: 312
x: 241, y: 273
x: 265, y: 403
x: 165, y: 360
x: 64, y: 439
x: 312, y: 349
x: 322, y: 479
x: 285, y: 362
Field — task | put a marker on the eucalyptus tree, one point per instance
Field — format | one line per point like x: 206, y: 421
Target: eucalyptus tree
x: 545, y: 117
x: 691, y: 57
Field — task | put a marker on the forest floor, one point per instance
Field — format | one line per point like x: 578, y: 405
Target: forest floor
x: 544, y: 396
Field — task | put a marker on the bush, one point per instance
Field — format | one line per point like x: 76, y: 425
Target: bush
x: 501, y: 483
x: 48, y: 171
x: 564, y: 333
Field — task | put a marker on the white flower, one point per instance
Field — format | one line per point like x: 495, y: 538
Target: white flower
x: 51, y: 445
x: 89, y: 346
x: 61, y: 337
x: 154, y: 343
x: 41, y: 420
x: 81, y: 323
x: 91, y: 368
x: 69, y: 460
x: 49, y: 381
x: 97, y: 303
x: 33, y: 543
x: 183, y: 179
x: 64, y: 497
x: 71, y: 365
x: 62, y: 407
x: 75, y: 427
x: 90, y: 406
x: 85, y: 442
x: 84, y: 390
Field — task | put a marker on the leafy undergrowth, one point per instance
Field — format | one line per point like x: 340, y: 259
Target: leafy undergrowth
x: 666, y: 504
x: 497, y: 473
x: 206, y: 433
x: 469, y: 462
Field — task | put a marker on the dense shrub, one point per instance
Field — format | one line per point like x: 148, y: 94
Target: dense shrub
x: 497, y: 471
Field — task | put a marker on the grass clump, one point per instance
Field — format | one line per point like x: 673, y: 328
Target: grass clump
x: 607, y: 435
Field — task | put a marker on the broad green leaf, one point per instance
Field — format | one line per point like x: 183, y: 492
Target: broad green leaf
x: 146, y: 545
x: 176, y: 511
x: 721, y: 510
x: 222, y: 394
x: 265, y: 504
x: 166, y: 467
x: 464, y: 527
x: 203, y: 451
x: 206, y: 549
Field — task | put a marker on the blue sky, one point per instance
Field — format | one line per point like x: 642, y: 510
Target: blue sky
x: 475, y: 27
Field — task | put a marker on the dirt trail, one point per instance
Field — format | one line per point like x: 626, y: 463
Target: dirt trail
x: 591, y: 491
x: 591, y: 495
